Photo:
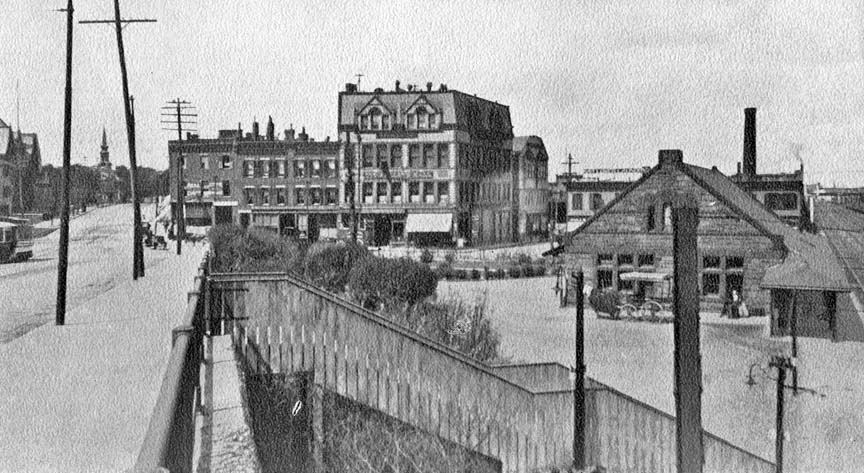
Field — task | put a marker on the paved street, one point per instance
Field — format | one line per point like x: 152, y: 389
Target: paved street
x: 79, y: 398
x: 100, y: 256
x: 637, y: 359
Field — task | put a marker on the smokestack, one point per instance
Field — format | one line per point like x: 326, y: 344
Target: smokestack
x: 289, y: 133
x: 303, y: 136
x: 255, y: 129
x: 271, y: 129
x: 749, y: 158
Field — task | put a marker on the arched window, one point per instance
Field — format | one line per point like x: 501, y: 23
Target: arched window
x: 667, y: 216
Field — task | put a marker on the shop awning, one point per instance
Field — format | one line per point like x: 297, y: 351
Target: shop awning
x: 642, y: 276
x: 428, y: 223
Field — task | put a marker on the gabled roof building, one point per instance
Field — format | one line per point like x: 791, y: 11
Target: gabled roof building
x: 743, y: 246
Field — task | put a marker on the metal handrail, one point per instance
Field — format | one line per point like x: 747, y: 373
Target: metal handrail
x: 169, y: 442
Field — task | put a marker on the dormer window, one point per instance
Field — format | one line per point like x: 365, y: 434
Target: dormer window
x: 375, y: 117
x: 422, y: 116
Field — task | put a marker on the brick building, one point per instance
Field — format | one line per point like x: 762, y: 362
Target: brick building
x: 288, y: 185
x: 738, y: 238
x: 532, y: 188
x: 430, y: 166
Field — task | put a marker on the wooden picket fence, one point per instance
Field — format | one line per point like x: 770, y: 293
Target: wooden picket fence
x: 519, y: 414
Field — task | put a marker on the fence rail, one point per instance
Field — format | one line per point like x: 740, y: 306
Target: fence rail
x: 170, y: 438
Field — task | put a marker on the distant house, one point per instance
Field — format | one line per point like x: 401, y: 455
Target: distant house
x: 20, y: 162
x: 740, y: 241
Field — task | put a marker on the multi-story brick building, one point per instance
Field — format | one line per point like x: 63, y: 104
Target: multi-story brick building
x: 426, y: 167
x: 429, y: 166
x: 288, y: 185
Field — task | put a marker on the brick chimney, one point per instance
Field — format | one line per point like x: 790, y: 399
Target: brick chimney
x: 749, y: 158
x: 255, y: 131
x: 670, y: 157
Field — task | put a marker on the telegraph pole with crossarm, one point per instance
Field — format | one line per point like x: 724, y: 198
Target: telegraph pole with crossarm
x: 179, y: 112
x: 138, y: 250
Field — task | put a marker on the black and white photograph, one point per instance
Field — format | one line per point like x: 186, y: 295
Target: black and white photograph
x: 498, y: 236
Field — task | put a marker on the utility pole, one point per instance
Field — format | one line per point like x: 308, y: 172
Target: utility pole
x: 579, y: 384
x: 138, y: 251
x: 178, y: 113
x: 569, y: 164
x: 349, y: 181
x: 63, y: 256
x: 782, y: 364
x: 687, y: 357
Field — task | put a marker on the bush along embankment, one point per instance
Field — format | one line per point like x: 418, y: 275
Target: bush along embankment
x: 401, y: 290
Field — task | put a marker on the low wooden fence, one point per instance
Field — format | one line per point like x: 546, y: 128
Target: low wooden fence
x: 170, y: 438
x: 520, y: 414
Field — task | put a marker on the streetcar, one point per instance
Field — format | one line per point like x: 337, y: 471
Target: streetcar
x: 16, y: 239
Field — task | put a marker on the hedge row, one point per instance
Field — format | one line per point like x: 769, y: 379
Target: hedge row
x: 447, y: 272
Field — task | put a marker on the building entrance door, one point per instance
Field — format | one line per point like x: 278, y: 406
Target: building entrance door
x: 244, y: 220
x: 222, y: 215
x: 382, y: 232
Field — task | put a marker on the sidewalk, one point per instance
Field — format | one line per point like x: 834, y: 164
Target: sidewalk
x: 79, y: 397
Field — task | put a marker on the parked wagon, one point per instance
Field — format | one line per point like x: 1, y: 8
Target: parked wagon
x: 651, y: 297
x: 16, y: 239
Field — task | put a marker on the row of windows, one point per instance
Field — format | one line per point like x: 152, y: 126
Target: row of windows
x: 302, y: 195
x: 429, y: 192
x: 421, y: 118
x: 595, y: 201
x: 714, y: 269
x: 204, y: 162
x: 431, y: 155
x: 314, y: 168
x: 781, y: 201
x: 483, y: 159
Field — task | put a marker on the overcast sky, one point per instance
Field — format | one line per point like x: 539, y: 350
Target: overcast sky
x: 609, y: 81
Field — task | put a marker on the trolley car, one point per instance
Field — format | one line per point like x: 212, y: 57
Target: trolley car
x: 16, y: 239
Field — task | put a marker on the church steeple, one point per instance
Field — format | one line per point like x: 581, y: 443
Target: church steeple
x: 104, y: 161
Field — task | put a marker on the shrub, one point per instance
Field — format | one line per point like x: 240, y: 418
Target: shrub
x: 444, y: 270
x: 485, y: 272
x: 375, y: 282
x: 464, y: 326
x: 523, y: 259
x: 328, y: 264
x: 514, y: 271
x: 539, y: 270
x: 475, y: 274
x: 461, y: 274
x: 604, y: 301
x: 426, y: 256
x: 254, y: 250
x: 527, y: 271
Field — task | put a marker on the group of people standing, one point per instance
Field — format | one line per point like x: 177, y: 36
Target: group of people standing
x: 735, y: 308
